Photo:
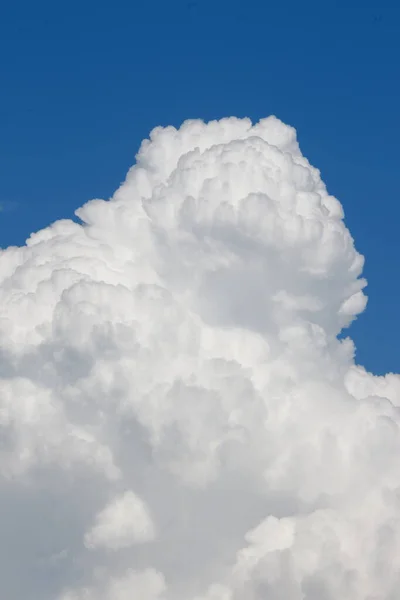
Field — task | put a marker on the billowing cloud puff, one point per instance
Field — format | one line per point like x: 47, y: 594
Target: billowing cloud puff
x: 178, y: 418
x: 124, y: 522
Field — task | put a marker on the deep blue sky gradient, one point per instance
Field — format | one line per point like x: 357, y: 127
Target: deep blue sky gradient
x: 82, y: 83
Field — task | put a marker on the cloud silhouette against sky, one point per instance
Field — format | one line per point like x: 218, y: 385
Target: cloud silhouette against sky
x: 178, y: 418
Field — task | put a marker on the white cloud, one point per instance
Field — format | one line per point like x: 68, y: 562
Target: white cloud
x: 182, y: 343
x: 124, y: 522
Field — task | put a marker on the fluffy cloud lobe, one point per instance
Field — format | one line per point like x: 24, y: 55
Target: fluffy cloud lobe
x: 178, y: 418
x: 123, y: 522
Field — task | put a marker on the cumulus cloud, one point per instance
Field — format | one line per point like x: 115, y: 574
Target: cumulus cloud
x: 178, y: 418
x: 123, y: 522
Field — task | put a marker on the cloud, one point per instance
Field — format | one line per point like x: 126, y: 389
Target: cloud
x: 178, y: 418
x: 124, y: 522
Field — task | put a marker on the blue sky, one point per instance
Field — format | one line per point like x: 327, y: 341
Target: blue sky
x: 84, y: 82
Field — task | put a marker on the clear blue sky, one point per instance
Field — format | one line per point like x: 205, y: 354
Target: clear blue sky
x: 83, y: 82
